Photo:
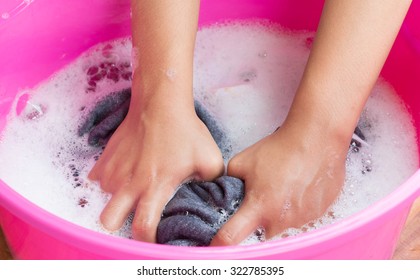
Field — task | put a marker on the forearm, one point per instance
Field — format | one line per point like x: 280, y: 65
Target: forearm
x: 352, y: 43
x: 163, y: 34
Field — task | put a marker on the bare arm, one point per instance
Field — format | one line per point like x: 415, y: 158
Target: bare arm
x: 295, y: 174
x: 352, y: 43
x: 163, y: 45
x: 161, y: 142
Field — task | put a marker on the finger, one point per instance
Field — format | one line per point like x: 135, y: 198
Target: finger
x: 235, y: 167
x: 211, y: 168
x: 107, y: 160
x: 96, y: 171
x: 93, y: 174
x: 238, y: 228
x: 101, y: 171
x: 212, y: 125
x: 119, y: 178
x: 149, y: 211
x: 273, y: 230
x: 117, y: 210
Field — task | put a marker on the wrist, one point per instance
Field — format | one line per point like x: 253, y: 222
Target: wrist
x: 150, y: 93
x: 317, y: 127
x: 317, y: 109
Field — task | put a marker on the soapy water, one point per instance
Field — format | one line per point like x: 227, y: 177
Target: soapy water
x: 244, y: 73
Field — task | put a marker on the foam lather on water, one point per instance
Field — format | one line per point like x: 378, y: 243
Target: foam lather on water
x: 245, y: 73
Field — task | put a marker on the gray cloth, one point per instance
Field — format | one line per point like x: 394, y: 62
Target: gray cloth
x: 105, y: 117
x: 198, y: 210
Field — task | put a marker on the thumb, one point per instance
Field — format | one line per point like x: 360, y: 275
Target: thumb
x: 242, y: 224
x: 236, y: 167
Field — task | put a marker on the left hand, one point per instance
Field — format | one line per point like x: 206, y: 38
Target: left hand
x: 291, y: 177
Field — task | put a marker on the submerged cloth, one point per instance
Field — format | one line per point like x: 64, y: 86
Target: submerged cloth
x: 105, y: 117
x: 198, y: 209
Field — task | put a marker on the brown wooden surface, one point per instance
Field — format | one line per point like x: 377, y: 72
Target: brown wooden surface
x: 4, y: 251
x: 408, y: 247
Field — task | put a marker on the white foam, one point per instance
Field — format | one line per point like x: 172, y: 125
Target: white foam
x: 245, y: 73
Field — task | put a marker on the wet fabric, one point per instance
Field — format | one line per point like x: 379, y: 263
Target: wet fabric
x: 198, y: 210
x: 105, y: 117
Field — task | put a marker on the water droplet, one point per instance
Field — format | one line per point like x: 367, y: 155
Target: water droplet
x: 248, y: 76
x: 171, y: 74
x: 5, y: 16
x: 287, y: 205
x: 259, y: 232
x: 236, y: 204
x: 263, y: 54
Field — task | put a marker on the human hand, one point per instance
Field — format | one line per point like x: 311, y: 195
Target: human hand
x: 156, y: 147
x: 291, y: 178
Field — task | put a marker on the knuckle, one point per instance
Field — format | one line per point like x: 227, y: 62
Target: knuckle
x: 234, y: 165
x: 216, y: 168
x: 210, y: 168
x: 108, y: 170
x: 143, y: 229
x: 225, y: 236
x: 140, y: 226
x: 104, y: 184
x: 215, y: 161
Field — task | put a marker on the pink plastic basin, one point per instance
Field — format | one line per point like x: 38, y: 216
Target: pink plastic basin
x: 39, y: 37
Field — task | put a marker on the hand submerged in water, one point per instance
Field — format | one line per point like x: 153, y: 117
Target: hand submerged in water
x: 153, y: 150
x: 291, y: 178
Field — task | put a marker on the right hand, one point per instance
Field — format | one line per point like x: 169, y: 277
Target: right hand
x: 158, y: 146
